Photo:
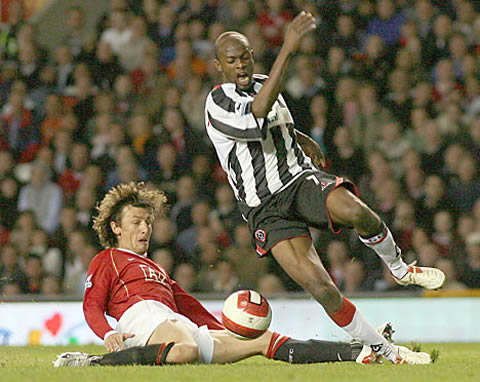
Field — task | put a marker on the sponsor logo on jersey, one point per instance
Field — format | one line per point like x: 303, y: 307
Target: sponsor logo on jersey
x: 260, y: 235
x: 88, y: 282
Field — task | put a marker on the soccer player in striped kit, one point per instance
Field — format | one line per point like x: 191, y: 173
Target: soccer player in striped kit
x: 274, y: 171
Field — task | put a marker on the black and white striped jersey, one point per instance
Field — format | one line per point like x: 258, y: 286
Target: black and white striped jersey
x: 260, y: 155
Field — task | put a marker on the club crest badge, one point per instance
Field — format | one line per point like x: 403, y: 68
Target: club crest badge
x: 260, y: 235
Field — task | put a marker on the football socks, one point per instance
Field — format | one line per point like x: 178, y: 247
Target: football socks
x: 384, y: 245
x: 138, y: 355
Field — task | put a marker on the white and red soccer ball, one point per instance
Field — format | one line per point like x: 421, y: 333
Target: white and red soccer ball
x: 246, y: 314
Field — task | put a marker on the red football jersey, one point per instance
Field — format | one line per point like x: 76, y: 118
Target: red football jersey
x: 118, y: 278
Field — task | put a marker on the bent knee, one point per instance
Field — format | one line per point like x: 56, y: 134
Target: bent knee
x: 183, y: 353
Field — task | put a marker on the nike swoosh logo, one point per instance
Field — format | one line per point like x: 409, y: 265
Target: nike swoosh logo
x: 131, y: 258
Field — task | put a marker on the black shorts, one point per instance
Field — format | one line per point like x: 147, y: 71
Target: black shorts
x: 290, y: 212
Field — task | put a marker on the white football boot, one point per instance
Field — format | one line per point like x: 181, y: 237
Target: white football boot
x: 75, y: 359
x: 397, y: 355
x: 426, y: 277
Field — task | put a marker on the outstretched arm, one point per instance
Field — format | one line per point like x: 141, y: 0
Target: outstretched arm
x: 312, y: 149
x: 300, y: 25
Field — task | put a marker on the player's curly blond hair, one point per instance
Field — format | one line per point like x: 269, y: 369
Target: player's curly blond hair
x: 110, y: 208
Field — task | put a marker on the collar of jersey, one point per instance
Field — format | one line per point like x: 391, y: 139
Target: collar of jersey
x: 249, y: 91
x: 133, y: 253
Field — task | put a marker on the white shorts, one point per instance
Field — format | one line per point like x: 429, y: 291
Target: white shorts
x: 144, y: 317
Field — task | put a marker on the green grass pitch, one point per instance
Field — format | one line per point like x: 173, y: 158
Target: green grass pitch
x: 457, y: 362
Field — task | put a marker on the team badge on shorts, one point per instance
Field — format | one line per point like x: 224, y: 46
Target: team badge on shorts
x: 260, y: 235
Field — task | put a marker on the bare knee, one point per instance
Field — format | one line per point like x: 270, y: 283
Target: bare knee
x: 183, y: 353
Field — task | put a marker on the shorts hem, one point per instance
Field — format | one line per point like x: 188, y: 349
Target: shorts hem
x: 262, y: 251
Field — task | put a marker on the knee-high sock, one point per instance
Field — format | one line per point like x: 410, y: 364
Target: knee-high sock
x: 138, y: 355
x: 312, y: 351
x: 355, y: 324
x: 385, y: 247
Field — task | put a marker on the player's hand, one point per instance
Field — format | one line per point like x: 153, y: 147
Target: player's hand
x: 114, y: 342
x: 302, y: 24
x: 317, y: 157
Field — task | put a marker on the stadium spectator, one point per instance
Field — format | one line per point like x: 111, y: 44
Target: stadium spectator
x: 119, y: 32
x: 443, y: 230
x: 364, y: 127
x: 18, y: 132
x: 470, y: 275
x: 270, y: 285
x: 164, y: 257
x: 64, y: 66
x: 433, y: 200
x: 42, y: 196
x: 34, y: 273
x: 226, y: 280
x: 76, y: 33
x: 52, y: 121
x: 464, y: 190
x: 273, y: 19
x: 29, y: 65
x: 9, y: 188
x: 70, y: 179
x: 448, y: 267
x: 186, y: 277
x: 404, y: 223
x: 225, y: 209
x: 85, y: 200
x: 387, y: 23
x: 180, y: 213
x: 74, y: 281
x: 338, y: 257
x: 163, y: 234
x: 124, y: 97
x: 76, y: 259
x: 132, y: 51
x: 10, y: 270
x: 52, y: 260
x: 354, y: 278
x: 191, y: 108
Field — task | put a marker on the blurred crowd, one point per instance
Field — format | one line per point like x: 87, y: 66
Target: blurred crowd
x: 389, y: 89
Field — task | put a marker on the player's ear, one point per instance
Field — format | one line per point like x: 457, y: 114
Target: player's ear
x: 218, y: 66
x: 116, y: 229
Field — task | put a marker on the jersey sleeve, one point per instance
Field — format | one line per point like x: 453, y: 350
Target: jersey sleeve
x: 97, y: 286
x: 230, y: 114
x: 190, y: 307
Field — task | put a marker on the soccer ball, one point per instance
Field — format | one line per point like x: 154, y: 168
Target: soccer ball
x: 246, y: 314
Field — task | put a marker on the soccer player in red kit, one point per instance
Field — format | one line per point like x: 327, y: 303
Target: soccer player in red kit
x: 157, y: 321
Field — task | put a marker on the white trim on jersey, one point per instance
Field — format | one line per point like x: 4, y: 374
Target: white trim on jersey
x: 260, y: 155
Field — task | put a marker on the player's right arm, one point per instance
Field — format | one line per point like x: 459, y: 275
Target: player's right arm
x: 98, y: 285
x: 266, y: 97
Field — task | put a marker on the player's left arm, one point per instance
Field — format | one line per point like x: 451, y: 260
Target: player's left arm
x: 311, y: 148
x: 190, y: 307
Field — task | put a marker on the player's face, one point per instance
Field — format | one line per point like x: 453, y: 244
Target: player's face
x: 235, y: 61
x: 134, y: 229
